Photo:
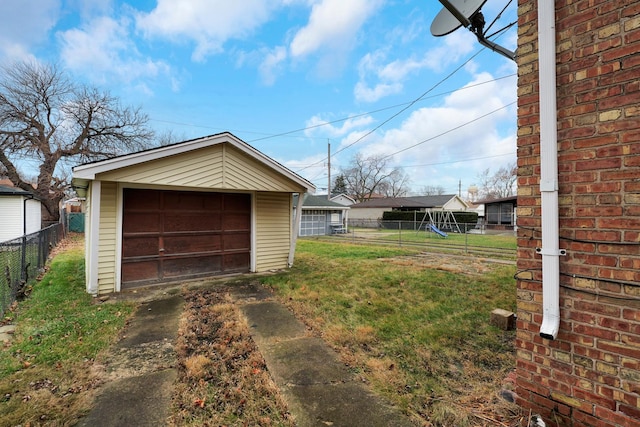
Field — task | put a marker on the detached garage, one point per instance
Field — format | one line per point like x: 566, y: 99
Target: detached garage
x: 199, y: 208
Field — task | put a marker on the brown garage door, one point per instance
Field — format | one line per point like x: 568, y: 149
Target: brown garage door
x: 174, y: 235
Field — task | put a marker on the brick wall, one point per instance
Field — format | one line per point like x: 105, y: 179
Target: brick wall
x: 589, y: 375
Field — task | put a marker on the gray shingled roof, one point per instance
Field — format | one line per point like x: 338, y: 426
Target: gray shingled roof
x: 312, y: 201
x: 407, y: 202
x: 13, y: 191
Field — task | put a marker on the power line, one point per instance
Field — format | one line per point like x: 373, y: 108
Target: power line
x: 344, y: 119
x: 409, y: 105
x: 442, y: 134
x: 450, y: 130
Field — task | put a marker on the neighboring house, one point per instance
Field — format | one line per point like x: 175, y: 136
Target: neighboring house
x: 500, y: 213
x: 343, y: 199
x: 20, y: 213
x: 374, y: 208
x: 199, y: 208
x: 578, y: 327
x: 321, y: 216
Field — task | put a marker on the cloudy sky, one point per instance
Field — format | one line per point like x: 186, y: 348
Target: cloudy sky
x: 291, y: 77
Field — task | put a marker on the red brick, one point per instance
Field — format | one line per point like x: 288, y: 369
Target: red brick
x: 623, y: 350
x: 594, y: 399
x: 615, y: 418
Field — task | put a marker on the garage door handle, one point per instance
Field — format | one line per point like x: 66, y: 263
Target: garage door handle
x: 161, y: 250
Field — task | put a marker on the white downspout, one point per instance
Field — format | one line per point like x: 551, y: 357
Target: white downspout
x: 549, y: 170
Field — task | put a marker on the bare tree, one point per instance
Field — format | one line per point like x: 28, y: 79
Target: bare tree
x: 367, y: 176
x: 499, y: 184
x: 396, y: 184
x: 48, y: 119
x: 431, y: 190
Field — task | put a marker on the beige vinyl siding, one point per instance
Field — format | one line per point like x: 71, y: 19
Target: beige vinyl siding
x: 273, y: 230
x: 218, y: 167
x: 244, y: 173
x: 108, y: 234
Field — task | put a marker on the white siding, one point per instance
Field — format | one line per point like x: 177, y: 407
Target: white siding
x: 11, y: 217
x: 12, y: 220
x: 273, y: 230
x: 454, y: 204
x: 34, y: 216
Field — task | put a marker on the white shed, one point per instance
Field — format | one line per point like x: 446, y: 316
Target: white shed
x: 20, y: 213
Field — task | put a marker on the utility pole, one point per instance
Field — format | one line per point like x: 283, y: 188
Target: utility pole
x: 328, y: 169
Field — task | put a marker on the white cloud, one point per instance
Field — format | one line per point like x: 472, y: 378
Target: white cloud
x: 365, y: 93
x: 25, y: 23
x: 318, y: 125
x: 103, y: 48
x: 332, y: 23
x: 208, y: 23
x: 272, y: 63
x: 381, y: 76
x: 443, y: 139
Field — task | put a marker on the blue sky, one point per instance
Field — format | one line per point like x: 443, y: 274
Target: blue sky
x: 291, y: 76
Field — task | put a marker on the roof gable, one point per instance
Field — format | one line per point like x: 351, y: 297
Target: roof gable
x: 219, y: 161
x: 436, y: 201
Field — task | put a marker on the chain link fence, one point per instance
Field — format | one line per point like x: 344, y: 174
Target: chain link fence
x: 22, y: 259
x: 447, y: 237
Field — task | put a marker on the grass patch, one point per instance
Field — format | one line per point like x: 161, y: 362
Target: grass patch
x: 496, y: 241
x: 420, y: 336
x: 46, y: 371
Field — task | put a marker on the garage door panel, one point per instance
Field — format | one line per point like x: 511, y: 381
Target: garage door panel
x: 140, y: 222
x: 171, y: 235
x: 237, y: 202
x: 192, y: 222
x: 236, y: 262
x: 141, y: 246
x: 136, y: 199
x: 192, y: 243
x: 236, y: 241
x: 147, y: 271
x: 192, y: 266
x: 236, y: 222
x: 187, y: 201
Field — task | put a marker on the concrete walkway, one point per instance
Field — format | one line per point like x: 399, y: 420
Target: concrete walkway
x: 141, y: 369
x: 316, y: 386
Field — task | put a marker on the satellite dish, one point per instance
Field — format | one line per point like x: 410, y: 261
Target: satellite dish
x: 458, y: 13
x: 446, y: 22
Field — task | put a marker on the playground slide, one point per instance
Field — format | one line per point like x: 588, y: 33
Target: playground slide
x: 438, y: 231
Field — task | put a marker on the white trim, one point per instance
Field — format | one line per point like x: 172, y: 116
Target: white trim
x: 295, y: 227
x: 118, y: 248
x: 94, y: 239
x: 254, y: 235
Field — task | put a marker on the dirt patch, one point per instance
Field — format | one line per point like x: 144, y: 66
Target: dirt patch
x: 457, y: 264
